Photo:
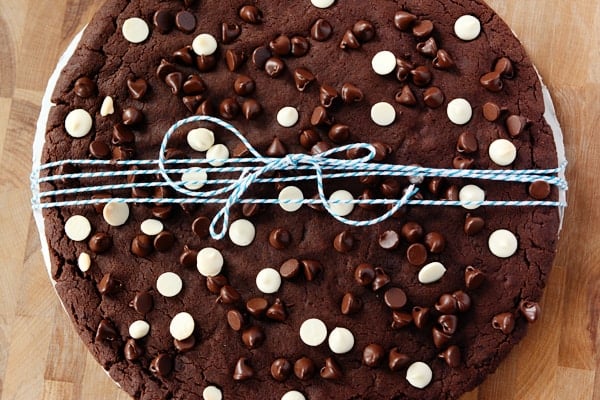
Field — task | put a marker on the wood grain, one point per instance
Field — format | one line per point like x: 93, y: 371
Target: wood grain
x: 41, y: 356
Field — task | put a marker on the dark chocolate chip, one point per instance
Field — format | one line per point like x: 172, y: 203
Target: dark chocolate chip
x: 194, y: 85
x: 163, y: 21
x: 343, y: 242
x: 327, y: 95
x: 363, y: 30
x: 243, y: 371
x: 280, y: 238
x: 100, y: 242
x: 505, y: 67
x: 406, y: 97
x: 234, y: 59
x: 304, y: 368
x: 99, y: 150
x: 320, y: 117
x: 516, y: 124
x: 260, y: 55
x: 351, y: 93
x: 539, y: 190
x: 276, y: 148
x: 467, y: 143
x: 443, y: 60
x: 446, y: 304
x: 504, y: 322
x: 184, y: 56
x: 421, y: 76
x: 381, y: 279
x: 397, y: 360
x: 339, y: 133
x: 428, y: 48
x: 161, y: 365
x: 435, y: 242
x: 448, y: 323
x: 433, y: 97
x: 244, y: 85
x: 205, y: 108
x: 253, y: 337
x: 463, y: 301
x: 106, y: 331
x: 395, y: 298
x: 277, y: 311
x: 185, y: 21
x: 422, y: 29
x: 403, y: 70
x: 206, y: 63
x: 492, y: 81
x: 235, y: 320
x: 201, y: 226
x: 143, y: 302
x: 137, y: 88
x: 349, y: 41
x: 290, y: 268
x: 350, y: 304
x: 404, y: 20
x: 281, y: 369
x: 473, y: 225
x: 257, y: 306
x: 382, y: 150
x: 303, y: 77
x: 142, y: 245
x: 185, y: 345
x: 251, y: 109
x: 473, y: 277
x: 229, y: 108
x: 121, y: 135
x: 321, y: 30
x: 281, y: 45
x: 416, y: 254
x: 164, y: 241
x: 228, y: 295
x: 132, y: 350
x: 164, y: 69
x: 412, y: 232
x: 390, y: 188
x: 451, y: 356
x: 193, y: 102
x: 420, y: 316
x: 121, y: 153
x: 215, y: 283
x: 439, y: 338
x: 373, y: 355
x: 319, y: 148
x: 331, y: 370
x: 491, y: 111
x: 311, y: 269
x: 109, y: 285
x: 401, y: 319
x: 230, y: 32
x: 530, y: 310
x: 274, y: 67
x: 251, y: 14
x: 364, y: 274
x: 389, y: 240
x: 308, y: 138
x: 300, y: 46
x: 132, y: 116
x: 85, y: 87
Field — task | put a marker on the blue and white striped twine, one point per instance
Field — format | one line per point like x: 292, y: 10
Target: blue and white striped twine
x: 252, y: 171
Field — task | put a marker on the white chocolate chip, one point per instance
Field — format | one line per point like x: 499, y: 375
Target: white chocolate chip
x: 169, y: 284
x: 322, y: 4
x: 341, y: 209
x: 383, y: 114
x: 182, y: 326
x: 341, y: 340
x: 313, y: 332
x: 293, y: 394
x: 138, y: 329
x: 287, y: 117
x: 152, y: 227
x: 503, y: 243
x: 135, y: 30
x: 217, y: 152
x: 471, y: 193
x: 432, y: 272
x: 268, y: 280
x: 290, y: 193
x: 212, y: 393
x: 115, y: 213
x: 384, y: 62
x: 459, y: 111
x: 467, y: 28
x: 242, y: 232
x: 419, y: 374
x: 204, y: 44
x: 78, y: 228
x: 108, y: 107
x: 502, y: 152
x: 201, y: 139
x: 194, y: 179
x: 78, y: 123
x: 84, y: 262
x: 209, y: 261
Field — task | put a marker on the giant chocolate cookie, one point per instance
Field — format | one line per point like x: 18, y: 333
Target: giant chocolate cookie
x: 293, y: 302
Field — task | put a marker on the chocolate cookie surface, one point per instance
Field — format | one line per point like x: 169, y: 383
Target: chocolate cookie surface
x: 360, y: 312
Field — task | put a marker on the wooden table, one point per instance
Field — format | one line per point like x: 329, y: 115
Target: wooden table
x: 42, y: 358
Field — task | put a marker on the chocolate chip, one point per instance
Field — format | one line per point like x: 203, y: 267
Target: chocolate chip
x: 109, y: 285
x: 142, y: 245
x: 257, y: 306
x: 443, y: 60
x: 373, y: 355
x: 174, y: 81
x: 311, y: 269
x: 466, y: 143
x: 406, y: 97
x: 422, y: 29
x: 403, y: 70
x: 85, y: 87
x: 461, y: 162
x: 505, y: 67
x: 420, y: 316
x: 99, y: 150
x: 364, y: 274
x: 215, y: 283
x: 251, y: 109
x: 184, y: 56
x: 452, y: 356
x: 132, y: 350
x: 433, y: 97
x: 473, y: 225
x: 206, y: 63
x: 539, y: 190
x: 446, y: 304
x: 448, y: 323
x: 193, y: 102
x: 290, y: 268
x: 390, y: 188
x: 194, y: 85
x: 412, y: 232
x: 132, y: 116
x: 137, y: 88
x: 235, y: 320
x: 320, y: 117
x: 389, y: 240
x: 308, y: 138
x: 463, y: 301
x: 400, y: 319
x: 161, y: 365
x: 516, y: 124
x: 397, y: 360
x: 321, y: 30
x: 106, y: 331
x: 274, y: 67
x: 299, y: 46
x: 492, y: 81
x: 276, y: 148
x: 331, y: 370
x: 234, y: 59
x: 504, y: 322
x: 435, y: 242
x: 473, y: 277
x: 277, y: 311
x: 304, y: 368
x: 421, y: 76
x: 281, y: 45
x: 404, y: 20
x: 319, y: 148
x: 339, y: 133
x: 230, y: 32
x: 303, y: 77
x: 428, y: 48
x: 260, y: 55
x: 229, y: 108
x: 327, y: 95
x: 530, y: 310
x: 121, y: 153
x: 281, y: 369
x: 251, y: 14
x: 439, y: 338
x: 416, y: 254
x: 205, y: 108
x: 244, y: 85
x: 185, y: 21
x: 201, y: 226
x: 280, y: 238
x: 185, y: 345
x: 363, y: 30
x: 351, y: 93
x: 395, y: 298
x: 121, y: 135
x: 381, y: 279
x: 491, y: 111
x: 228, y: 295
x: 243, y: 371
x: 143, y: 302
x: 343, y: 242
x: 253, y: 337
x: 164, y: 69
x: 350, y: 304
x: 349, y: 41
x: 67, y: 169
x: 100, y: 242
x: 164, y: 241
